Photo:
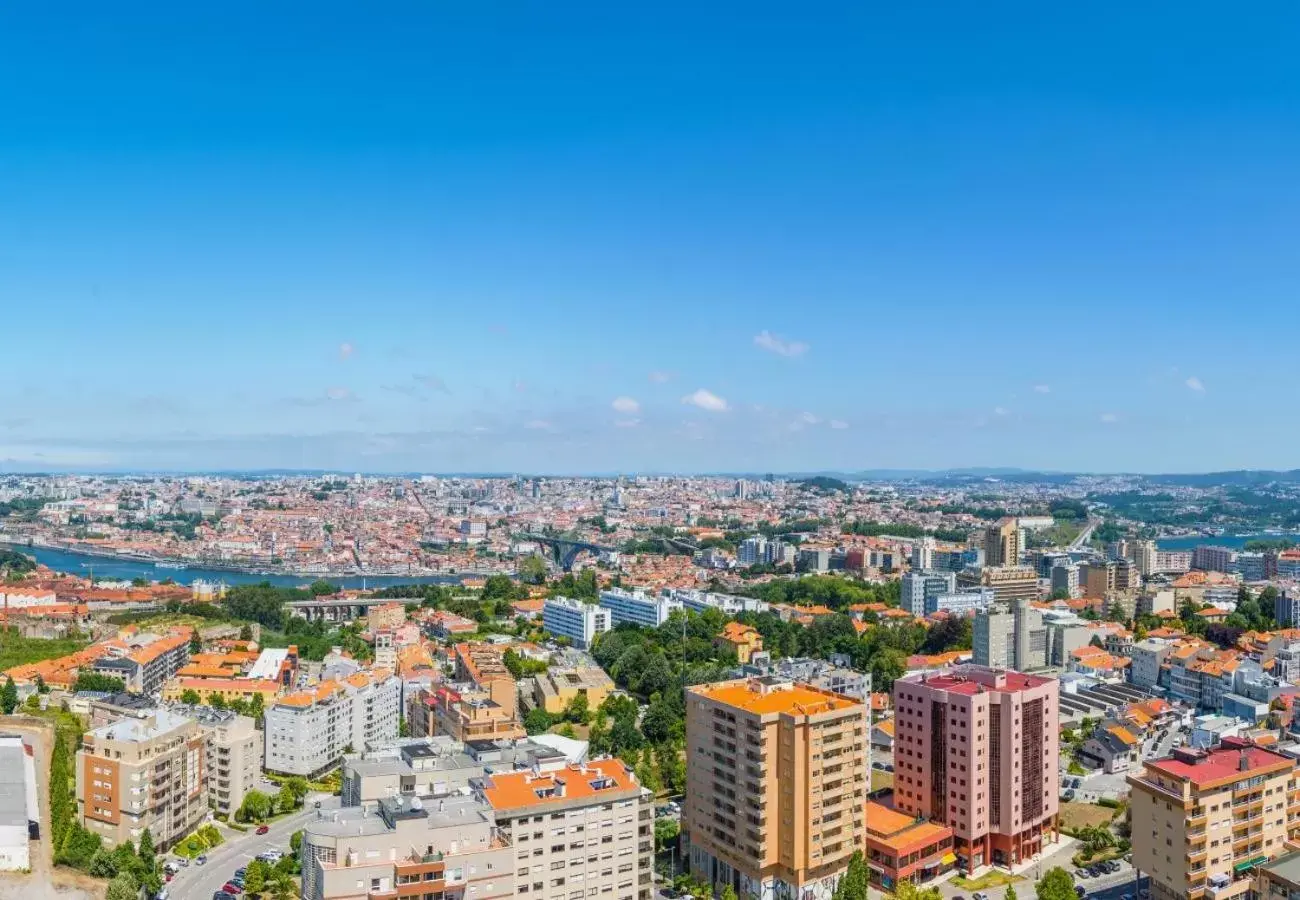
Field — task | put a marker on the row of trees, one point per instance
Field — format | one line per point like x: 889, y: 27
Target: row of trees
x: 255, y: 708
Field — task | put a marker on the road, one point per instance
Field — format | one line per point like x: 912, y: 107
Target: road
x: 197, y: 882
x: 1081, y: 541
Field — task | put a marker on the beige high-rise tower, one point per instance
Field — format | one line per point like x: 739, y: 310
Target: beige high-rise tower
x: 1002, y: 543
x: 778, y: 775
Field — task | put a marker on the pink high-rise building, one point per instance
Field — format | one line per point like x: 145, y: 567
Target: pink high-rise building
x: 976, y: 749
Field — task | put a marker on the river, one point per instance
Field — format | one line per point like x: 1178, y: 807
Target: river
x: 1231, y: 541
x: 128, y: 569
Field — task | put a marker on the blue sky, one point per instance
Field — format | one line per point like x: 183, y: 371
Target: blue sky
x: 593, y: 237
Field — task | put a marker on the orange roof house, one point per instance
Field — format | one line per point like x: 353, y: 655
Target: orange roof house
x: 743, y: 639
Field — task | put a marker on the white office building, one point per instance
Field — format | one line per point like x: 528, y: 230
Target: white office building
x: 579, y: 622
x: 637, y: 607
x: 307, y: 733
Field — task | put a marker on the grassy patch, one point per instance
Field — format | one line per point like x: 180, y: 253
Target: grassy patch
x: 987, y: 880
x: 199, y: 842
x: 16, y: 650
x: 1084, y: 815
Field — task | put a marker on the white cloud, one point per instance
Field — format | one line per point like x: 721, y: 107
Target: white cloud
x: 539, y: 425
x: 627, y: 423
x: 520, y: 386
x: 660, y: 377
x: 1042, y: 389
x: 1109, y: 418
x: 839, y: 424
x: 626, y: 405
x: 1001, y: 411
x: 773, y: 343
x: 706, y: 400
x: 346, y: 350
x: 1195, y: 384
x: 339, y: 393
x: 810, y: 418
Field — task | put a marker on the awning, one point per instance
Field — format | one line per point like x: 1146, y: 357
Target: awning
x: 948, y: 859
x: 1249, y: 864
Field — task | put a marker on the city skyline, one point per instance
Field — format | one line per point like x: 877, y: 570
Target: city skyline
x: 589, y: 240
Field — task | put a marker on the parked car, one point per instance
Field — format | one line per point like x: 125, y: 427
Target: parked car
x: 222, y: 895
x: 263, y: 829
x: 979, y: 895
x: 201, y: 859
x: 231, y: 888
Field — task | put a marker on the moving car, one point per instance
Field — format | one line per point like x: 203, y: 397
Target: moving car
x: 201, y: 859
x: 263, y: 829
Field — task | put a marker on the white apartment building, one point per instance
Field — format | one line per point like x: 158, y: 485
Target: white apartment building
x: 307, y: 733
x: 727, y: 604
x: 579, y: 622
x: 637, y: 607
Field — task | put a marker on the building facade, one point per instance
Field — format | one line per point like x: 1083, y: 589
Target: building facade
x: 148, y: 771
x: 582, y: 830
x: 1202, y: 820
x: 580, y: 622
x: 976, y: 749
x: 307, y: 733
x: 234, y: 757
x: 918, y: 587
x: 412, y: 849
x: 637, y: 607
x: 778, y: 774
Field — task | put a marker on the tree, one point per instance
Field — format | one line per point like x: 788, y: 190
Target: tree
x: 728, y: 893
x: 102, y: 865
x: 190, y: 697
x: 1056, y: 884
x: 321, y: 588
x: 246, y: 633
x: 281, y: 886
x: 578, y: 710
x: 255, y: 808
x: 33, y: 702
x: 853, y: 884
x: 9, y: 696
x: 216, y: 701
x: 146, y: 852
x: 257, y: 709
x: 1010, y: 894
x: 196, y: 642
x: 255, y: 877
x: 532, y: 570
x: 666, y: 832
x: 538, y: 721
x: 97, y: 681
x: 295, y: 841
x: 285, y: 801
x: 905, y: 890
x: 123, y: 887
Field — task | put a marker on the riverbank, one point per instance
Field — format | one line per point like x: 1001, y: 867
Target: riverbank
x: 116, y: 567
x: 1231, y: 541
